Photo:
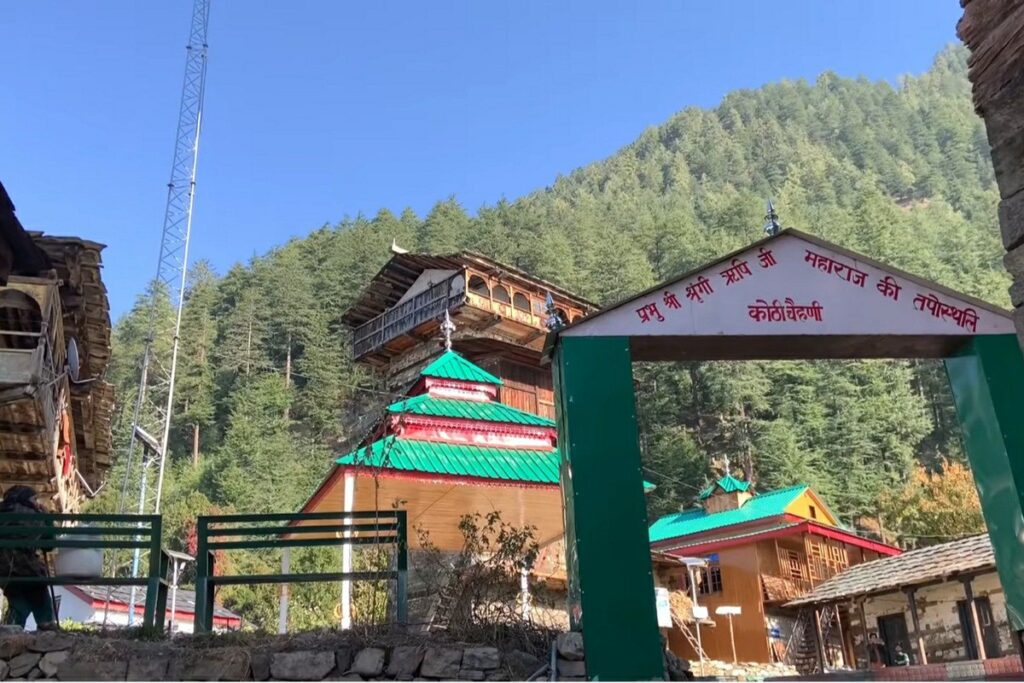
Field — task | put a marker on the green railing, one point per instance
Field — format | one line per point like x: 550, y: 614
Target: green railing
x: 294, y: 531
x: 128, y: 532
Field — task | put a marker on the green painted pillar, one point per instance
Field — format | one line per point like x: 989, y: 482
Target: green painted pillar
x: 987, y: 378
x: 608, y: 555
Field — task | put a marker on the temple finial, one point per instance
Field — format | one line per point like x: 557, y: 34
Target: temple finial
x: 728, y: 467
x: 447, y: 329
x: 554, y: 319
x: 771, y: 220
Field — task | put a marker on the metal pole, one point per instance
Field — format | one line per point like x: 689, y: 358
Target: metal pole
x: 282, y: 614
x: 524, y: 591
x: 700, y: 646
x: 346, y: 555
x: 174, y: 594
x: 732, y: 639
x: 137, y: 555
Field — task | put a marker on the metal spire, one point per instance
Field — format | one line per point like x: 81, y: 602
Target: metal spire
x: 727, y: 466
x: 771, y: 221
x: 447, y: 329
x: 554, y: 319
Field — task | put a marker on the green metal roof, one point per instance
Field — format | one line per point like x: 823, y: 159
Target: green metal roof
x: 728, y: 484
x: 489, y: 411
x: 504, y: 464
x: 696, y: 520
x: 453, y: 366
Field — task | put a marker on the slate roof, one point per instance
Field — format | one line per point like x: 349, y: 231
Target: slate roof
x: 184, y: 603
x: 483, y: 411
x: 432, y: 457
x: 451, y: 365
x: 906, y: 570
x: 696, y: 520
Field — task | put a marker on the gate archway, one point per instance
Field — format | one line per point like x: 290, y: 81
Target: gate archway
x: 790, y: 296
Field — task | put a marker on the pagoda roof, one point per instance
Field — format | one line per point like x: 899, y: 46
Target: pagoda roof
x: 460, y: 460
x: 482, y: 411
x: 451, y: 365
x: 697, y: 520
x: 728, y: 484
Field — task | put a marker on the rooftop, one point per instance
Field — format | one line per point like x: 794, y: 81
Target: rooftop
x: 185, y: 602
x: 935, y: 562
x: 451, y: 365
x: 482, y: 411
x: 697, y: 520
x: 728, y: 484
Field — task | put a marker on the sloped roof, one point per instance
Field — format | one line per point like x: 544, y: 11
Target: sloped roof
x: 431, y: 457
x: 697, y: 520
x: 451, y: 365
x: 185, y: 602
x: 483, y: 411
x: 504, y: 464
x: 728, y: 484
x: 909, y: 569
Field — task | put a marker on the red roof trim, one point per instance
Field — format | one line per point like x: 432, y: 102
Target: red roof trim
x: 471, y: 426
x: 802, y: 526
x: 448, y: 478
x: 118, y: 606
x: 669, y: 543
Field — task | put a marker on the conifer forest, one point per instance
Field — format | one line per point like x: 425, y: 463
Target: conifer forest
x: 267, y: 390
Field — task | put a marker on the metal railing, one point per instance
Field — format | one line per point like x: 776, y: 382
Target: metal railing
x: 429, y: 304
x: 287, y: 530
x: 39, y: 532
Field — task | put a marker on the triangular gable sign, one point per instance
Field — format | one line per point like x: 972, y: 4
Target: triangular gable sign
x: 796, y: 285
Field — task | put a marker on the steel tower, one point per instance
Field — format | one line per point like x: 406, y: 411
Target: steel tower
x: 151, y: 417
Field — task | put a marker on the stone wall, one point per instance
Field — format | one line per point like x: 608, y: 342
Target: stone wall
x: 940, y: 621
x: 245, y: 657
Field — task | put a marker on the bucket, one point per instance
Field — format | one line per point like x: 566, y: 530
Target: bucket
x: 79, y: 563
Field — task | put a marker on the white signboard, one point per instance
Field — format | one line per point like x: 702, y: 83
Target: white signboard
x: 661, y: 601
x: 700, y: 612
x: 792, y: 285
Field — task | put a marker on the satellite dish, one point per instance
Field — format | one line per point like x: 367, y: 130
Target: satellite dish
x: 74, y: 363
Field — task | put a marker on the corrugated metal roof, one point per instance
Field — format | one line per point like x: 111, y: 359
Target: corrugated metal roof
x: 451, y: 365
x: 697, y: 521
x: 489, y: 411
x: 503, y: 464
x: 909, y: 569
x: 184, y: 602
x: 728, y: 483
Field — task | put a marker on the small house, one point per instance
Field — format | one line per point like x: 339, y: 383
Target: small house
x: 762, y: 550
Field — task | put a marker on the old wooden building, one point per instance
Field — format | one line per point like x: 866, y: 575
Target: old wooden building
x: 762, y: 551
x: 940, y: 604
x: 500, y: 314
x: 55, y: 411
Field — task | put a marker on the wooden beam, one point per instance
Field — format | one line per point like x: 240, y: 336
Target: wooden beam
x: 922, y: 656
x: 819, y: 640
x: 974, y: 622
x: 864, y: 634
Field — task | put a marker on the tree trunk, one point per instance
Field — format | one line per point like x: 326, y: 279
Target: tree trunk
x: 288, y: 371
x: 195, y: 445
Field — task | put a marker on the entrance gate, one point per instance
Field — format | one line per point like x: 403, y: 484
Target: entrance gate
x: 790, y: 296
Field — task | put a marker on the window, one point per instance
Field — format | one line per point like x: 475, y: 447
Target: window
x: 709, y: 580
x: 500, y: 293
x: 792, y: 565
x: 814, y: 513
x: 478, y: 286
x: 520, y: 302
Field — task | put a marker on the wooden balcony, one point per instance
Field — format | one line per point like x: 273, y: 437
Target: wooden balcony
x: 428, y: 305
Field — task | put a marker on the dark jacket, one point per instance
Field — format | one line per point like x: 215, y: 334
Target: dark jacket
x: 22, y: 561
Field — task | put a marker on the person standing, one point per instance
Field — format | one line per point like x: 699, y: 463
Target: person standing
x: 25, y: 599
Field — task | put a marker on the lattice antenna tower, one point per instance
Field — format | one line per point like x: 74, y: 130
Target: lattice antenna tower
x: 151, y: 417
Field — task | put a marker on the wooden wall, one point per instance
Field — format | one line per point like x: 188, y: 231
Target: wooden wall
x: 526, y: 388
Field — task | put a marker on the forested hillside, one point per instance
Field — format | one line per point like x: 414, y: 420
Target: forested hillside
x: 268, y: 391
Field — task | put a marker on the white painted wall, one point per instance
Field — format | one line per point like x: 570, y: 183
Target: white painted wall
x: 78, y: 610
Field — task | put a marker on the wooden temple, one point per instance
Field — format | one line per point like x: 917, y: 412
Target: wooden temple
x: 54, y: 431
x: 500, y: 314
x: 762, y: 550
x: 473, y: 428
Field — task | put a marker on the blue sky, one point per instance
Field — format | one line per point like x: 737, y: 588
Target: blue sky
x: 317, y: 109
